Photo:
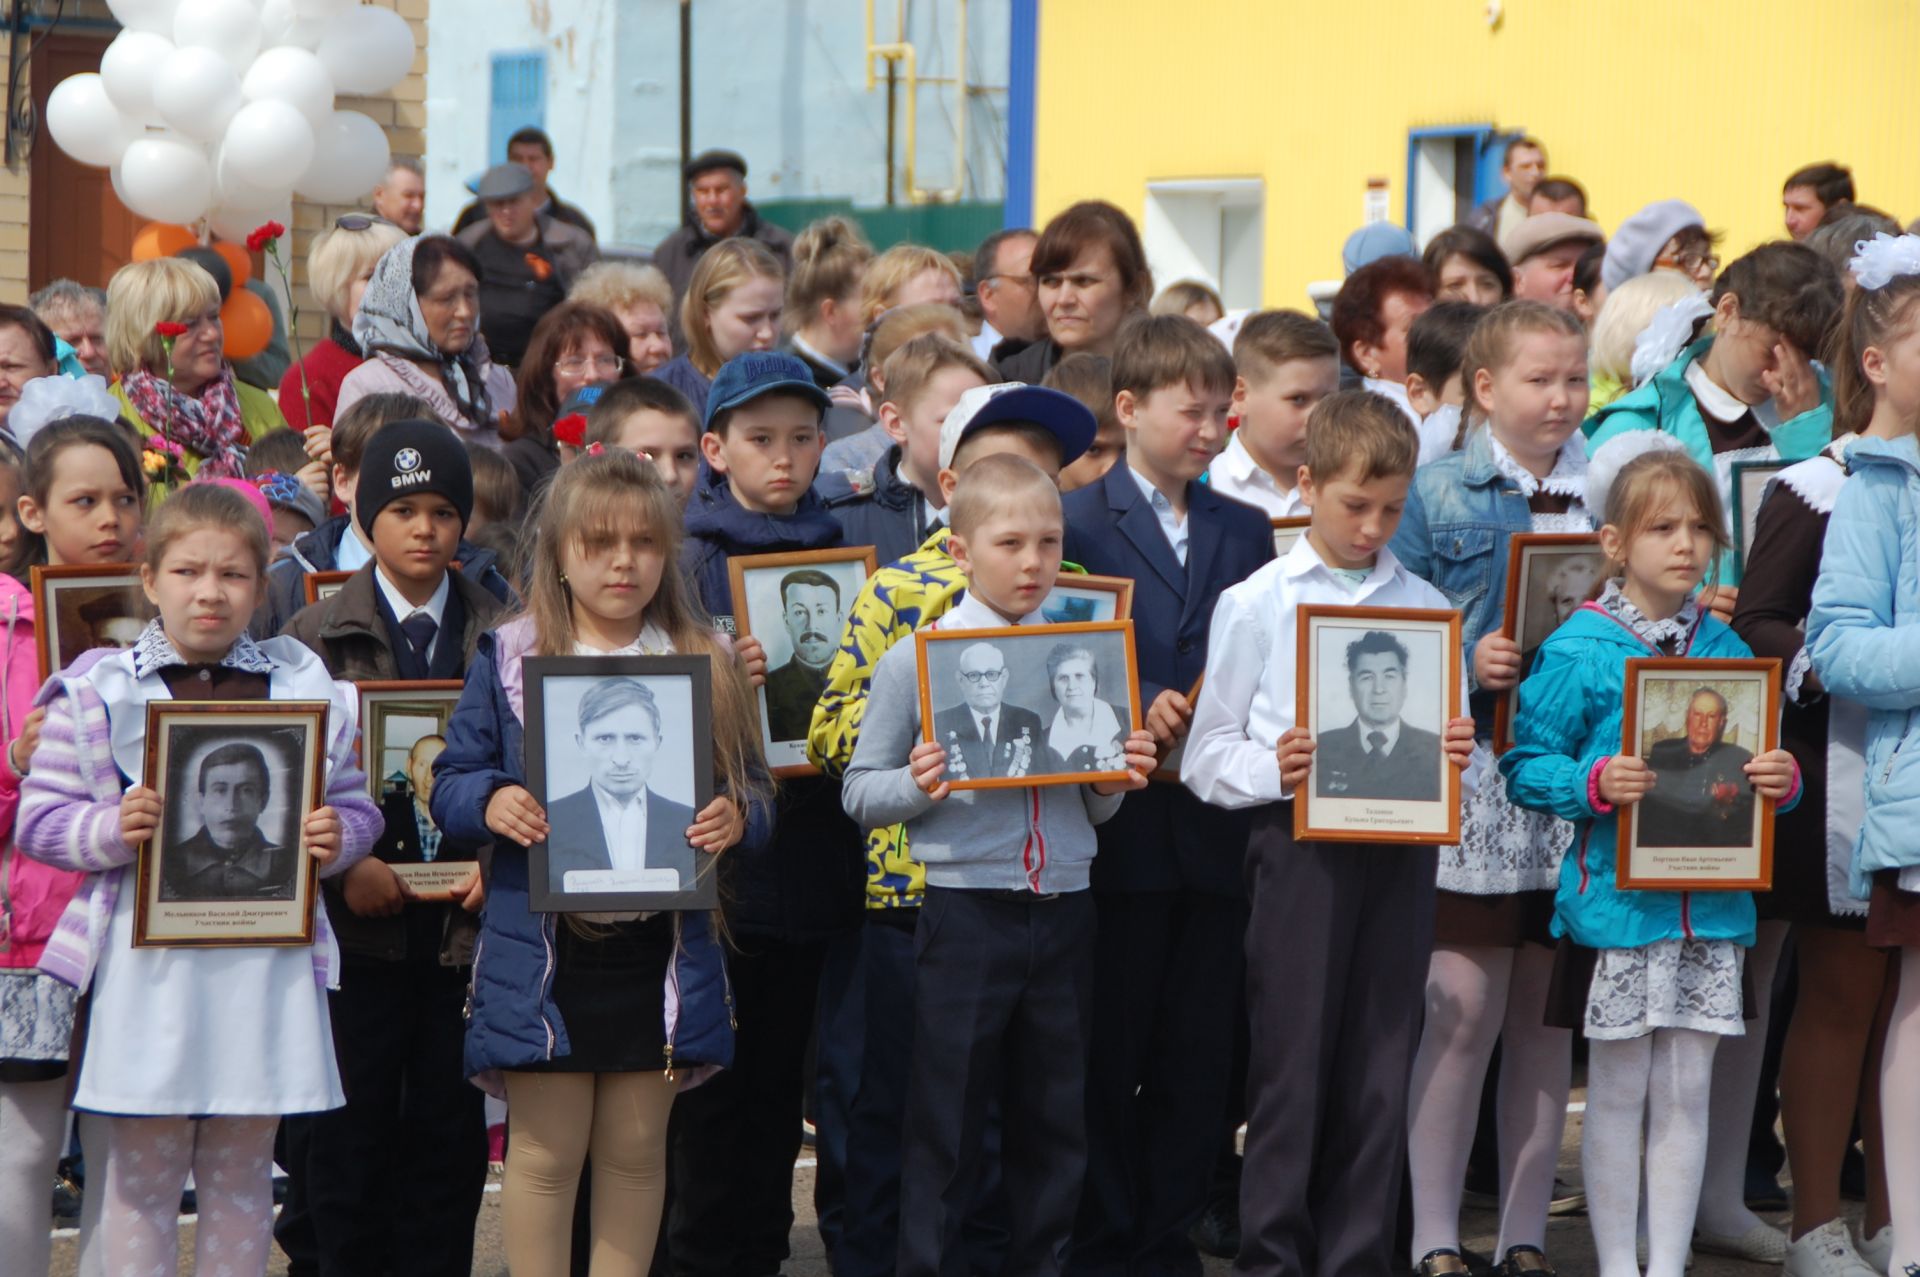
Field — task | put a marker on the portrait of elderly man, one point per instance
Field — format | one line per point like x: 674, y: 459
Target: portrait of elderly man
x: 228, y: 857
x: 1701, y: 796
x: 984, y: 736
x: 813, y: 612
x: 1379, y: 754
x: 616, y: 821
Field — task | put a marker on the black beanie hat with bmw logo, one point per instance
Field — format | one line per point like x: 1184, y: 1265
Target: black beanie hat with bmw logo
x: 406, y: 458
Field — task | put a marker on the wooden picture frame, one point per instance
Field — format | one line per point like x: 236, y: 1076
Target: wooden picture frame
x: 86, y: 606
x: 264, y: 763
x: 1081, y: 597
x: 1287, y: 531
x: 1720, y: 831
x: 323, y: 585
x: 1545, y: 571
x: 1167, y: 770
x: 1747, y: 487
x: 793, y: 684
x: 1028, y: 759
x: 416, y: 710
x: 577, y: 869
x: 1411, y: 793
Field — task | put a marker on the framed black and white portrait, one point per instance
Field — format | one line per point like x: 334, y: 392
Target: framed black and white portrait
x: 83, y: 607
x: 796, y: 605
x: 1030, y: 704
x: 1748, y: 487
x: 1377, y: 687
x: 1697, y: 723
x: 1549, y: 574
x: 403, y: 728
x: 620, y: 755
x: 1080, y: 598
x: 236, y: 781
x: 1287, y: 531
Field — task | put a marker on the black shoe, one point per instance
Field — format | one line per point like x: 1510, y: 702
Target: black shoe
x: 1524, y: 1261
x: 1217, y: 1231
x: 1764, y: 1192
x: 1442, y: 1262
x: 66, y: 1200
x: 1477, y: 1264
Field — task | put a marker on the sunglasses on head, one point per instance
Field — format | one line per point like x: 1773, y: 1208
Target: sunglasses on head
x: 358, y: 221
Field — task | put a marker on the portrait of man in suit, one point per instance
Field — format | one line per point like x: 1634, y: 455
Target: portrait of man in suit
x: 615, y: 822
x: 1379, y: 754
x: 813, y: 612
x: 410, y: 836
x: 1701, y: 796
x: 984, y: 736
x: 228, y: 857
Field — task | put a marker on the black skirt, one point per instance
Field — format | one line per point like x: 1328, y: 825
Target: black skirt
x: 1497, y: 922
x: 610, y: 987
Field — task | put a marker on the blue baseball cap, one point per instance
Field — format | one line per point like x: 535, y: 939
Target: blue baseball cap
x: 745, y: 378
x: 1058, y: 413
x: 1376, y: 240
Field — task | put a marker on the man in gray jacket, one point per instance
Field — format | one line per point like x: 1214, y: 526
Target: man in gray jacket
x: 717, y: 209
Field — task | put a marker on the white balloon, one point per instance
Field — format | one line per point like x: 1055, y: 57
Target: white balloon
x: 166, y: 180
x: 349, y: 158
x: 282, y: 25
x: 85, y: 123
x: 145, y: 15
x: 235, y: 222
x: 293, y: 76
x: 321, y: 9
x: 369, y: 50
x: 268, y: 145
x: 197, y: 93
x: 128, y: 68
x: 231, y: 28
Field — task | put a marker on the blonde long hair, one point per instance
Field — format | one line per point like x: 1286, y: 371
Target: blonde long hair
x: 589, y: 503
x: 722, y: 268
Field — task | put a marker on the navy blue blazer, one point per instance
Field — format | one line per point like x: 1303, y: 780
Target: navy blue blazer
x: 1166, y: 839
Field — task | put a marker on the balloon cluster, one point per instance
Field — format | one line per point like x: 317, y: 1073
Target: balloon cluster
x: 223, y: 109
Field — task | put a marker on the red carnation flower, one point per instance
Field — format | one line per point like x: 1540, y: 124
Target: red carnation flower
x: 263, y: 235
x: 571, y: 430
x: 168, y: 329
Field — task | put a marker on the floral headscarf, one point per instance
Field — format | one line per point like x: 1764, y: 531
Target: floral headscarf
x: 390, y: 322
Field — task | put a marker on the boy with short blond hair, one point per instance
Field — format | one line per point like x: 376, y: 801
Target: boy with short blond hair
x: 1004, y: 955
x: 1340, y: 934
x: 1167, y: 884
x: 1285, y: 363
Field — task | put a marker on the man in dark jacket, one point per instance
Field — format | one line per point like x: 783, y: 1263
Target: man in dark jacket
x: 814, y: 613
x: 228, y: 857
x: 1701, y: 796
x: 532, y: 150
x: 528, y: 260
x: 1379, y: 754
x: 717, y: 209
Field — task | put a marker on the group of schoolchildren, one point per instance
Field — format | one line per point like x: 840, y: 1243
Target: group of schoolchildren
x: 1024, y: 1059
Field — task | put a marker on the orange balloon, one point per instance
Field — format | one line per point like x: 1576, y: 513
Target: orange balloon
x: 161, y: 239
x: 248, y: 325
x: 237, y: 260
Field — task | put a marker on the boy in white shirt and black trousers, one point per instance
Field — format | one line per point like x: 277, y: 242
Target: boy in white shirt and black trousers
x: 1340, y: 933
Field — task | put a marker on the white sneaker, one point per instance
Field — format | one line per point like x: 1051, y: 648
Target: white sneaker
x: 1877, y: 1250
x: 1827, y: 1251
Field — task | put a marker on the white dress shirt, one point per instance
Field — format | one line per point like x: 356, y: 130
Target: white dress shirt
x: 352, y: 553
x: 1396, y: 392
x: 1172, y: 522
x: 1236, y: 474
x: 987, y: 339
x: 625, y: 828
x: 403, y: 611
x: 1248, y: 700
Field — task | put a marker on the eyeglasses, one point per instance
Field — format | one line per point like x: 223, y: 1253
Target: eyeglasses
x: 574, y: 365
x: 1691, y: 263
x: 977, y: 677
x: 359, y: 222
x: 1025, y: 281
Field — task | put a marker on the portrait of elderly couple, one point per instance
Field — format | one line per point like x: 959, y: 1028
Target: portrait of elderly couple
x: 1054, y: 704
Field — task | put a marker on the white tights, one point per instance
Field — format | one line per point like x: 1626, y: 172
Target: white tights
x: 146, y: 1169
x: 1660, y: 1080
x: 1736, y: 1081
x: 1476, y: 995
x: 1900, y: 1113
x: 33, y: 1117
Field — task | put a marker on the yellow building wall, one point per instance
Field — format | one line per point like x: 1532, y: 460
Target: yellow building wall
x: 1712, y: 101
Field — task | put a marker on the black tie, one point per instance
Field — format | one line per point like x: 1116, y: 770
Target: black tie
x: 1376, y: 744
x: 986, y: 730
x: 420, y: 629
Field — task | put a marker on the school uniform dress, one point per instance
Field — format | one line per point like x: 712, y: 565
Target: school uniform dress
x: 1168, y: 891
x: 1236, y: 474
x: 1334, y: 927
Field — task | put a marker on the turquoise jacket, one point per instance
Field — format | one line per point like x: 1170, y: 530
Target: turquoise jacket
x: 1569, y: 719
x: 1862, y: 637
x: 1666, y: 403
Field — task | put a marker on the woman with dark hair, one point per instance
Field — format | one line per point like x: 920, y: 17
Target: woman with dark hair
x: 1091, y: 276
x: 575, y: 345
x: 419, y: 327
x: 1371, y: 315
x: 1465, y: 265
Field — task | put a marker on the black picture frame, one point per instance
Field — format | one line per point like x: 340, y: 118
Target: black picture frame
x: 544, y: 676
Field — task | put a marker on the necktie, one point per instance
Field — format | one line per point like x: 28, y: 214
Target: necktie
x: 420, y: 629
x: 986, y: 730
x: 1376, y: 744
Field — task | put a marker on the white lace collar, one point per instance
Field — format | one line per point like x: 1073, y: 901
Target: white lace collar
x: 1675, y: 629
x: 153, y: 650
x: 1568, y: 478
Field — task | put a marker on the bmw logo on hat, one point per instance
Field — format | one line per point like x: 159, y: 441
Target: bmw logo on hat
x: 407, y: 459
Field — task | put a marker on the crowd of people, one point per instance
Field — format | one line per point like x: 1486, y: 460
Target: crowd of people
x: 1024, y: 1026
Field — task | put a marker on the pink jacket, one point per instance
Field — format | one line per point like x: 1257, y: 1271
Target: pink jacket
x: 32, y: 895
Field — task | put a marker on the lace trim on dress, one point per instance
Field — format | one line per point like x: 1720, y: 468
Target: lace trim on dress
x: 1675, y: 629
x: 1669, y: 984
x: 1567, y: 479
x: 1503, y: 848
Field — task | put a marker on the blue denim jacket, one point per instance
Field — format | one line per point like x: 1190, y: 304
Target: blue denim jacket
x: 1460, y: 512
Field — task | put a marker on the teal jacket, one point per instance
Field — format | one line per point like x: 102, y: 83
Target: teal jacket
x: 1666, y: 403
x: 1568, y: 720
x: 1861, y: 636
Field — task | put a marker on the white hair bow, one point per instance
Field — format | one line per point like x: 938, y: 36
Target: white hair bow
x: 45, y: 400
x: 1665, y: 336
x: 1879, y: 261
